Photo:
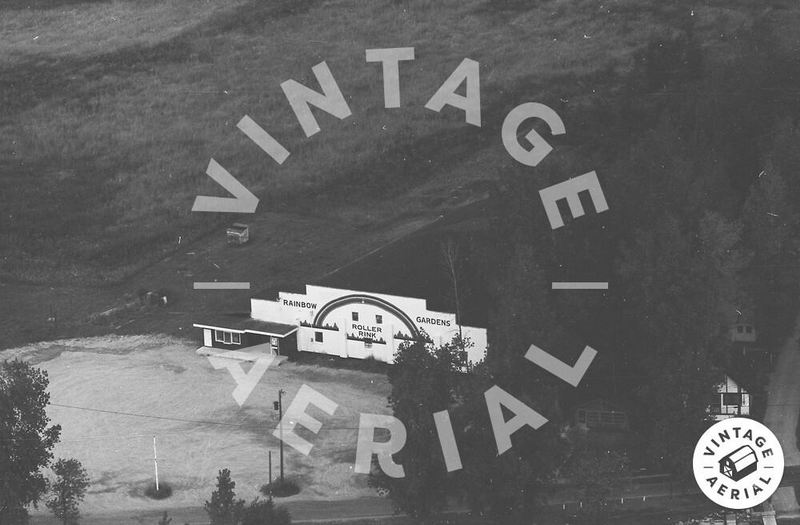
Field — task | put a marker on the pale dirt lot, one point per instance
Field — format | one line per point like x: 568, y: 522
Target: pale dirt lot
x: 199, y: 427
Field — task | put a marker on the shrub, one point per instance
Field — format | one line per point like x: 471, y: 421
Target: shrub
x: 369, y: 364
x: 280, y: 488
x: 264, y: 512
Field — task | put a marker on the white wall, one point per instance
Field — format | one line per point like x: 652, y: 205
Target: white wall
x: 292, y: 308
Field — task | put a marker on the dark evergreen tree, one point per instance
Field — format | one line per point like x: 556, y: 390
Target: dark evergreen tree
x: 68, y: 490
x: 224, y: 508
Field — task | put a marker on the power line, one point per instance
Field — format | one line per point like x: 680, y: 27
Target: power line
x: 147, y: 416
x: 181, y: 420
x: 248, y: 426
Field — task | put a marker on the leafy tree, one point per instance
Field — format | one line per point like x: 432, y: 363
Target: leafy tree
x: 68, y: 490
x: 264, y: 512
x: 510, y: 487
x: 771, y: 228
x: 597, y: 471
x: 224, y: 508
x: 422, y: 379
x: 674, y: 280
x: 26, y: 440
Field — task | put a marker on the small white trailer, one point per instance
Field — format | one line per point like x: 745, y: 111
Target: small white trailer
x: 238, y: 233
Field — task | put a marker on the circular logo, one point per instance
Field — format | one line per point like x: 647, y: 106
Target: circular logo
x: 738, y: 463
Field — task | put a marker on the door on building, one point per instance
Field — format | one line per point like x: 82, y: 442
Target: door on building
x: 207, y: 337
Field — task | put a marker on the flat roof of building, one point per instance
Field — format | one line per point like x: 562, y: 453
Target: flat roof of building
x: 242, y: 323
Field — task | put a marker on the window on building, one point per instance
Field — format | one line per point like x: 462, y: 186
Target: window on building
x: 318, y: 337
x: 378, y: 319
x: 731, y: 399
x: 581, y: 416
x: 222, y: 336
x: 368, y: 343
x: 355, y: 316
x: 749, y: 329
x: 740, y: 329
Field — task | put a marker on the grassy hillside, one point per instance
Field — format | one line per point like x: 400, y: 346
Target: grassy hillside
x: 112, y: 109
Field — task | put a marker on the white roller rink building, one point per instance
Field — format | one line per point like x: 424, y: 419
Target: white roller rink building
x: 341, y: 322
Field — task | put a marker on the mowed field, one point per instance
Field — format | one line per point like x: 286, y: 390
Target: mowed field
x: 129, y: 389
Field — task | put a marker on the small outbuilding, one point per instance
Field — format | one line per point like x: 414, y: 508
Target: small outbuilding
x: 601, y: 414
x: 238, y: 233
x: 232, y: 333
x: 743, y: 332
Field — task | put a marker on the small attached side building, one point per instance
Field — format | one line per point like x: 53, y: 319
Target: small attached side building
x: 225, y: 335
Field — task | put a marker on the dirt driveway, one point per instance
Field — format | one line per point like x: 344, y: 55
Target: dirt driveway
x: 782, y: 413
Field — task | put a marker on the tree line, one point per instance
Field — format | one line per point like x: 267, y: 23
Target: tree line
x: 700, y: 161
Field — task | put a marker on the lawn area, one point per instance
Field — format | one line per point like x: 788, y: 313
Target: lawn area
x: 70, y: 28
x: 112, y: 110
x: 199, y: 427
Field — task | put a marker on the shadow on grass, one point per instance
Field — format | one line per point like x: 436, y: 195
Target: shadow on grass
x: 281, y: 488
x: 147, y: 490
x: 334, y: 362
x: 163, y: 491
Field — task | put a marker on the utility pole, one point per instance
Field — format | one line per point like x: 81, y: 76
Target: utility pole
x: 270, y: 467
x: 450, y: 261
x: 280, y: 425
x: 155, y: 462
